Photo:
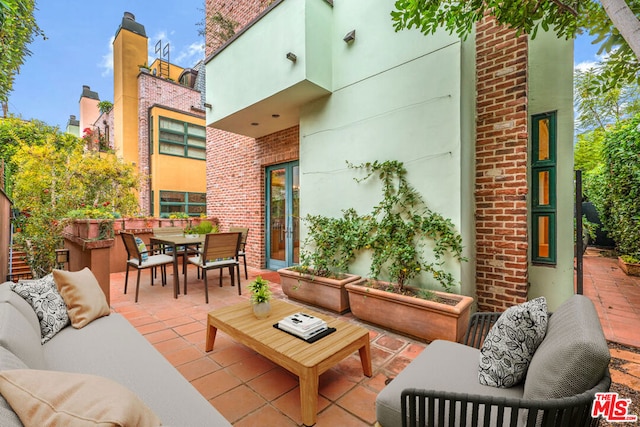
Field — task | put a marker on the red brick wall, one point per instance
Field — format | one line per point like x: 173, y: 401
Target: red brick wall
x: 241, y: 12
x: 235, y: 163
x: 236, y: 181
x: 501, y: 167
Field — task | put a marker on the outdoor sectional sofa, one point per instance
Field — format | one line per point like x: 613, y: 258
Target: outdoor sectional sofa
x: 106, y: 347
x: 566, y: 371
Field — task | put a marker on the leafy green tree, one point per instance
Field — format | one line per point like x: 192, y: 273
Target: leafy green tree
x: 614, y: 23
x: 595, y: 109
x: 36, y: 193
x: 105, y: 106
x: 587, y: 153
x: 15, y: 132
x: 18, y: 28
x: 55, y: 175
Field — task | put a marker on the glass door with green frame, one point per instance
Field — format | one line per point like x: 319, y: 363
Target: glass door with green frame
x: 283, y: 220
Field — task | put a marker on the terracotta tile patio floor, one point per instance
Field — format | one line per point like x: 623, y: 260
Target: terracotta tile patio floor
x: 249, y: 390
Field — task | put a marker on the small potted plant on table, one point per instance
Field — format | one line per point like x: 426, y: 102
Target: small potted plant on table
x: 260, y: 297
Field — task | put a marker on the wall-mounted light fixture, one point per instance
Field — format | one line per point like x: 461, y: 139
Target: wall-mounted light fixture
x: 350, y: 37
x: 207, y: 105
x: 292, y: 57
x: 62, y: 258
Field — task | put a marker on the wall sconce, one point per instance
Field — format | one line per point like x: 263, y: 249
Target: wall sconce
x: 62, y: 258
x: 350, y: 37
x: 292, y: 57
x: 207, y: 105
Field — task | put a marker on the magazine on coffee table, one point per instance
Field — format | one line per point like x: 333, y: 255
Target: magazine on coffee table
x: 303, y: 325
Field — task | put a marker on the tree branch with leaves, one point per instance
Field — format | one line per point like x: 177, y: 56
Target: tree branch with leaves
x: 18, y: 28
x: 614, y: 23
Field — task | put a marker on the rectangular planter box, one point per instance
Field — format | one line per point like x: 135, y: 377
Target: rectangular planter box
x: 629, y: 269
x: 416, y: 317
x: 90, y: 229
x: 319, y: 291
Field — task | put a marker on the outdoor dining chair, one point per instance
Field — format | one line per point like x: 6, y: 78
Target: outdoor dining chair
x: 219, y: 252
x: 181, y: 251
x: 145, y: 258
x: 243, y: 243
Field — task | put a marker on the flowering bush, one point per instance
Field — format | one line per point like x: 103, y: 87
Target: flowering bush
x: 94, y: 139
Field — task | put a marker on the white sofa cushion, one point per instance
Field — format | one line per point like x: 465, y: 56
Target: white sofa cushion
x: 17, y: 335
x: 112, y: 348
x: 8, y: 296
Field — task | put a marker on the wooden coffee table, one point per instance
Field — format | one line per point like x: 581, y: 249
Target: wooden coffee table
x: 305, y: 360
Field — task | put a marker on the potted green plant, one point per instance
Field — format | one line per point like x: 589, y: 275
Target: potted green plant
x: 144, y: 68
x: 396, y: 235
x: 205, y: 227
x: 191, y: 232
x: 322, y: 274
x: 260, y: 297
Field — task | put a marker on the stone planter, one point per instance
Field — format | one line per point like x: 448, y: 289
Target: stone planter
x: 90, y: 229
x: 118, y: 225
x: 319, y: 291
x: 135, y: 224
x: 628, y: 268
x: 416, y: 317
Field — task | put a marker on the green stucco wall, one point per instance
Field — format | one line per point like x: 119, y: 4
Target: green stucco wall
x: 551, y: 89
x: 396, y: 96
x: 238, y: 79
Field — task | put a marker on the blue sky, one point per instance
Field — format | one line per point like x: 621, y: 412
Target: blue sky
x: 78, y: 51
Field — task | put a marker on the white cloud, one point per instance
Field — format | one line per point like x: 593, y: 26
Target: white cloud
x: 183, y: 57
x: 107, y: 60
x: 192, y: 54
x: 585, y: 65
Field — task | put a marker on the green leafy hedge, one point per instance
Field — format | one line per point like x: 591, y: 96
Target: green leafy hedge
x: 615, y: 187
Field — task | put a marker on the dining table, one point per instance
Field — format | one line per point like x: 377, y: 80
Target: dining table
x: 174, y: 242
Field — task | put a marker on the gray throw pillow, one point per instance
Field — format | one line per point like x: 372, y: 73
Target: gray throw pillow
x: 511, y: 343
x: 46, y: 301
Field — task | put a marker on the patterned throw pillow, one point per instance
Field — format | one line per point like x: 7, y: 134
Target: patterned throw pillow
x: 511, y: 343
x: 46, y: 301
x: 143, y: 249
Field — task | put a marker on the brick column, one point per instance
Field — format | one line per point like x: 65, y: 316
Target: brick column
x: 501, y: 167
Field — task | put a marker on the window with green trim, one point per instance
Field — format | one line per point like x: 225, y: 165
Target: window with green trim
x: 178, y: 138
x: 543, y: 188
x: 194, y: 204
